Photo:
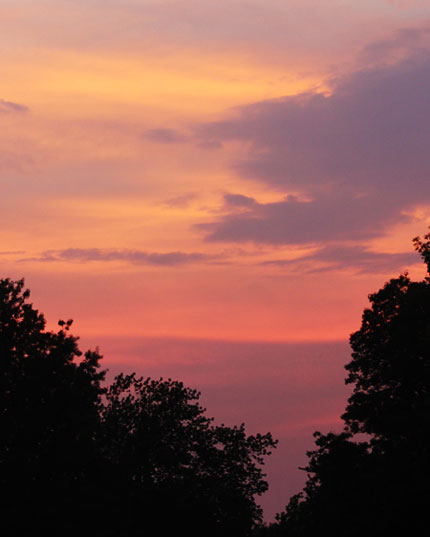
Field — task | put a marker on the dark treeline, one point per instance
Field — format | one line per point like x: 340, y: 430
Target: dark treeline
x: 140, y: 457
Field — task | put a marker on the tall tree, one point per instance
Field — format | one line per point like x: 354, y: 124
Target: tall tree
x: 50, y: 399
x: 374, y: 477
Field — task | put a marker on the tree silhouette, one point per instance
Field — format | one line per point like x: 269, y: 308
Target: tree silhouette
x: 50, y: 399
x: 189, y: 473
x: 373, y: 478
x: 138, y: 457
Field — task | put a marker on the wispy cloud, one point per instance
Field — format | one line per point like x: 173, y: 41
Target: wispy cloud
x: 138, y: 257
x: 12, y: 252
x: 181, y: 201
x: 9, y: 107
x: 165, y: 136
x: 356, y: 258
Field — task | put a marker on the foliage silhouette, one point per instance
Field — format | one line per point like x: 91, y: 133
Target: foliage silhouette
x: 139, y: 456
x: 204, y: 477
x: 373, y: 478
x: 50, y: 397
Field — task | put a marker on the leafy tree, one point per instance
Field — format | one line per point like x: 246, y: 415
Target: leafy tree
x: 138, y: 457
x: 390, y: 366
x: 50, y: 399
x: 374, y: 477
x: 188, y: 473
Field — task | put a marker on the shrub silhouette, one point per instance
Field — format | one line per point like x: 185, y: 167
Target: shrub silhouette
x: 139, y: 456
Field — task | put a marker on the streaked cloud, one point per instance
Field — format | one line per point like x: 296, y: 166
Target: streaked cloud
x: 12, y: 252
x: 165, y: 136
x: 355, y: 258
x: 292, y: 221
x: 139, y: 257
x: 9, y: 107
x: 181, y: 201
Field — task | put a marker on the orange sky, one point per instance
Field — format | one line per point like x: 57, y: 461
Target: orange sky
x: 79, y: 172
x: 235, y: 170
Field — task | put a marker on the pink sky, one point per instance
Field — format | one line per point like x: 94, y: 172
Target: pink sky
x: 211, y: 189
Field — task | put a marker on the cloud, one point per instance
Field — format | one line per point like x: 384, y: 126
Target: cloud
x: 239, y: 200
x: 138, y: 257
x: 291, y: 221
x: 356, y: 257
x: 12, y: 252
x: 397, y: 47
x: 181, y: 201
x: 8, y: 107
x: 165, y: 136
x: 358, y: 156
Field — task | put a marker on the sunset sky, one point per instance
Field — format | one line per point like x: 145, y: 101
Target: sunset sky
x: 211, y: 189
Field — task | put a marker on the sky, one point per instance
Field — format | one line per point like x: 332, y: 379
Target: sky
x: 212, y: 189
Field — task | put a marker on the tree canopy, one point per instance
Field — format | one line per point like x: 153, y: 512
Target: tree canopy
x: 204, y: 477
x: 139, y: 456
x: 373, y: 477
